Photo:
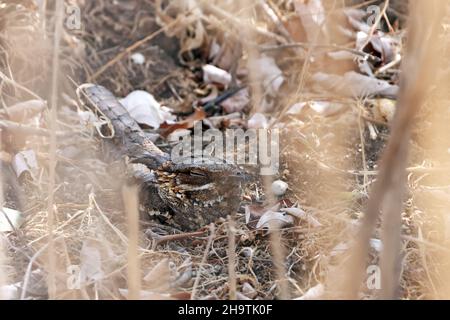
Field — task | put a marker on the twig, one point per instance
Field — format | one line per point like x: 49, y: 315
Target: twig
x: 24, y: 129
x: 375, y: 25
x: 5, y: 78
x: 205, y: 256
x: 30, y: 265
x: 157, y: 240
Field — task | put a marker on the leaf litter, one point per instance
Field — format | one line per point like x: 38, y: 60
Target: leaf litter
x: 196, y: 60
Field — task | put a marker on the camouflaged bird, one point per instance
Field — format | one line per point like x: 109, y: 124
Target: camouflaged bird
x: 186, y: 195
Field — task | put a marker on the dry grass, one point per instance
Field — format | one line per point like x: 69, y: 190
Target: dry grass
x: 329, y: 161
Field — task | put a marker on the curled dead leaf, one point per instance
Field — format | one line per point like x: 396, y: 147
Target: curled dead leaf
x: 187, y: 123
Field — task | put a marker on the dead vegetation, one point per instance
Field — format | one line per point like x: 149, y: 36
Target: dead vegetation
x: 317, y: 71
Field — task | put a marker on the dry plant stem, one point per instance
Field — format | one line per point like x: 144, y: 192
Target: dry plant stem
x: 52, y: 162
x: 232, y: 258
x: 212, y: 233
x: 2, y: 257
x: 3, y: 277
x: 23, y: 129
x: 278, y: 257
x: 131, y: 202
x: 30, y: 265
x: 275, y: 243
x: 175, y: 237
x: 18, y: 85
x: 388, y: 191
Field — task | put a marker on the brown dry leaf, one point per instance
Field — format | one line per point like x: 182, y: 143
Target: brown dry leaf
x: 312, y: 15
x: 295, y: 28
x: 10, y: 219
x: 91, y: 267
x: 300, y: 214
x: 353, y: 84
x: 159, y: 278
x: 187, y: 123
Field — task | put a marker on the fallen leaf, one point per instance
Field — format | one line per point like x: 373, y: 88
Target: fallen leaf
x: 9, y: 292
x: 159, y: 278
x: 90, y: 262
x: 353, y: 84
x: 312, y: 15
x: 10, y: 219
x: 187, y: 123
x: 326, y: 108
x: 275, y: 220
x: 240, y: 296
x: 339, y: 248
x: 297, y: 108
x: 25, y: 161
x: 270, y: 74
x: 258, y: 121
x: 143, y: 108
x: 249, y: 291
x: 300, y: 214
x: 314, y: 293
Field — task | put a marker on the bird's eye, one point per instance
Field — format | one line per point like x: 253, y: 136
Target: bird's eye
x: 196, y: 173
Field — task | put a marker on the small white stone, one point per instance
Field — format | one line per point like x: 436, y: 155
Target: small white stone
x: 279, y: 187
x: 138, y: 58
x: 212, y: 74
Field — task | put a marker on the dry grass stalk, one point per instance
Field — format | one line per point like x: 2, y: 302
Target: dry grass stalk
x: 431, y: 193
x: 131, y: 202
x: 387, y: 194
x: 232, y: 258
x: 212, y: 232
x: 3, y: 277
x: 59, y: 16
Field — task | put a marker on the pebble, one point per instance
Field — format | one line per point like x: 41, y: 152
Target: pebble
x: 138, y: 58
x: 279, y: 187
